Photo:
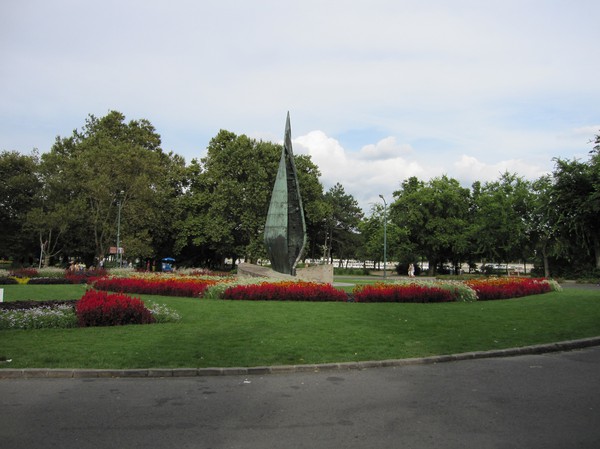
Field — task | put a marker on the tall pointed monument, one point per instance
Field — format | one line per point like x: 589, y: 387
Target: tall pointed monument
x: 285, y: 229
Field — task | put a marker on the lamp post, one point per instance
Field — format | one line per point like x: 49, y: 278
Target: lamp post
x: 119, y: 252
x: 384, y: 237
x: 119, y: 233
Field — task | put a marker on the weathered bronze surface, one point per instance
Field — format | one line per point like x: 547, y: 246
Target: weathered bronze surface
x: 285, y: 229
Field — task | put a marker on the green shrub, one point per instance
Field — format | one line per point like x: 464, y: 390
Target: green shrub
x: 340, y: 271
x: 97, y: 308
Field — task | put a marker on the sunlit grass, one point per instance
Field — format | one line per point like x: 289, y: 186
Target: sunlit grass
x: 238, y: 333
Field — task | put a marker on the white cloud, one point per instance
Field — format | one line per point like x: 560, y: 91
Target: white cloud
x: 386, y: 148
x: 367, y: 174
x: 469, y: 169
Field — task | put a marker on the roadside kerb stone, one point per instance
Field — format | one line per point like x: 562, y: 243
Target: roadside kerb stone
x: 11, y: 373
x: 60, y: 373
x: 210, y: 372
x: 185, y: 372
x: 160, y: 372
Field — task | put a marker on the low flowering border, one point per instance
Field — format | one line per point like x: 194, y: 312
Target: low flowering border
x: 284, y: 291
x: 260, y: 289
x: 42, y: 317
x: 445, y: 291
x: 155, y: 285
x: 458, y: 290
x: 412, y: 292
x: 507, y: 288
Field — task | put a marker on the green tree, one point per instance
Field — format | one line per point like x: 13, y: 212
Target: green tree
x: 225, y: 208
x: 576, y: 202
x: 372, y: 231
x: 542, y: 231
x: 107, y: 165
x: 341, y: 223
x: 19, y: 188
x: 436, y: 215
x: 501, y: 218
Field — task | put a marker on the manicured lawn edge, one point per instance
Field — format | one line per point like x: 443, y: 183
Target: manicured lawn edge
x: 225, y: 334
x: 287, y: 369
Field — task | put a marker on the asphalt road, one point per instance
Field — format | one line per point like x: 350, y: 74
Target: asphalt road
x: 534, y: 401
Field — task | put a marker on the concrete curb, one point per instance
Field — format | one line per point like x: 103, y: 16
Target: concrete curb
x: 29, y: 373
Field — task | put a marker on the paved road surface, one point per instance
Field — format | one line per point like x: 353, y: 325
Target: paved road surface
x: 537, y: 401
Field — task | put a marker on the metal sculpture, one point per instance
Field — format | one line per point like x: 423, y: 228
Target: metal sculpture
x: 285, y: 229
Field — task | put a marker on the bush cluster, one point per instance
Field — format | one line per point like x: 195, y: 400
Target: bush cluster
x: 97, y: 308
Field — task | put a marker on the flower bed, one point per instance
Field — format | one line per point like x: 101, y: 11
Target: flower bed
x: 7, y: 281
x: 85, y: 276
x: 62, y: 313
x: 401, y: 293
x: 284, y: 291
x: 167, y: 286
x: 32, y: 315
x: 444, y: 291
x: 506, y: 288
x: 52, y: 281
x: 24, y: 272
x: 97, y: 308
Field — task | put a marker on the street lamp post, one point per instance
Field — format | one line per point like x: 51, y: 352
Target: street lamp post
x: 384, y: 237
x: 119, y: 204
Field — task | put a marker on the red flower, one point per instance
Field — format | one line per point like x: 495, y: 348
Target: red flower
x: 97, y: 308
x: 505, y: 288
x: 285, y: 291
x: 158, y: 286
x: 401, y: 293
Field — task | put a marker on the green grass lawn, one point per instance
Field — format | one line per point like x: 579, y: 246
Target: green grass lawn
x: 228, y: 333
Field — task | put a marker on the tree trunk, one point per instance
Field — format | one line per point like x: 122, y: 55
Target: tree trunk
x: 546, y: 263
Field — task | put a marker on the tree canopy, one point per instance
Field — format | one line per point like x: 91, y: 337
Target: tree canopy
x: 112, y: 177
x: 107, y: 167
x: 225, y: 208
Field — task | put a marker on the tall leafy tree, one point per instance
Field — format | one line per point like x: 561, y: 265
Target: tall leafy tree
x: 226, y: 205
x: 501, y: 219
x: 106, y: 168
x: 341, y: 223
x: 396, y: 241
x: 436, y: 215
x: 541, y: 229
x: 576, y: 201
x: 19, y: 188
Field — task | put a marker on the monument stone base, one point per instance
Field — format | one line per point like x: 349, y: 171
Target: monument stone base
x: 322, y: 274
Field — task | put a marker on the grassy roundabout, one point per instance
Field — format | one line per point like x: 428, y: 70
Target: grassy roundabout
x: 255, y: 333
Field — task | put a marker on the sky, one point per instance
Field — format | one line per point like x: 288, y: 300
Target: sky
x: 377, y: 90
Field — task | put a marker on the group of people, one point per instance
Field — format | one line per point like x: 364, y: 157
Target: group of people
x: 77, y: 266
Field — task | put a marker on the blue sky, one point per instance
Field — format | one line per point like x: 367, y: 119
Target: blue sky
x: 378, y: 90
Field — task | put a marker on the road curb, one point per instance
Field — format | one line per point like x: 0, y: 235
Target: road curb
x: 31, y: 373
